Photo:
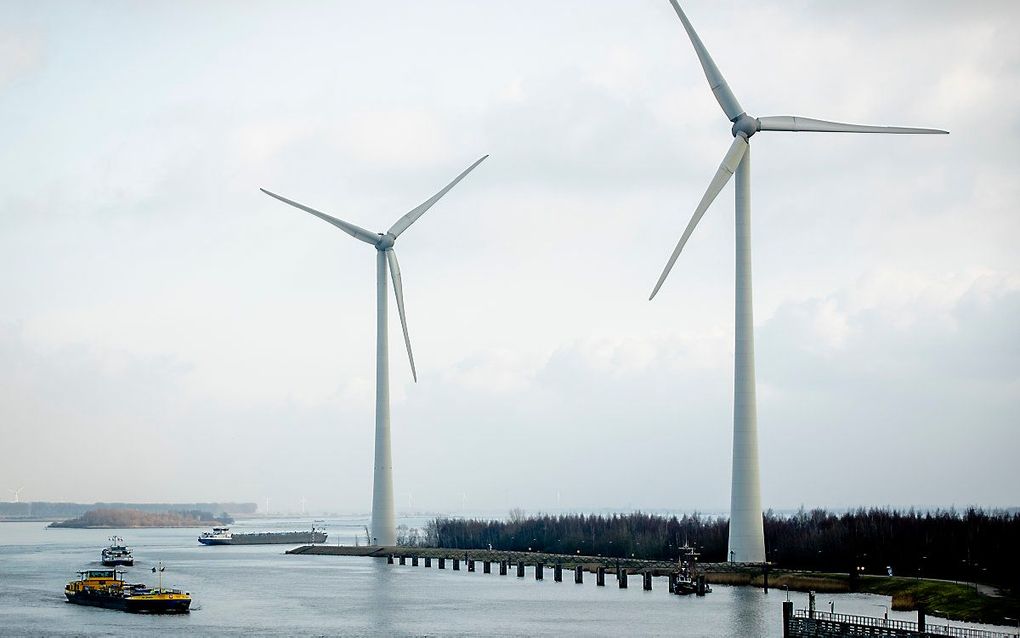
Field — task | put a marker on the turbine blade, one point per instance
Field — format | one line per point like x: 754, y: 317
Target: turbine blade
x: 722, y: 175
x: 398, y: 291
x: 716, y: 81
x: 404, y: 222
x: 793, y: 123
x: 354, y: 231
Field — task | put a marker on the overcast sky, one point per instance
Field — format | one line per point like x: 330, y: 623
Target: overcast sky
x: 162, y: 317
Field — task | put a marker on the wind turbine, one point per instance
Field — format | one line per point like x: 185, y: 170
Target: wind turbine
x: 747, y: 539
x: 384, y: 519
x: 17, y: 494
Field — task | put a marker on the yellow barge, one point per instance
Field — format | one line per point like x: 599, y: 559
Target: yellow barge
x: 106, y: 588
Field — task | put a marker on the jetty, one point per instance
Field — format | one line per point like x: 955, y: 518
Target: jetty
x: 506, y: 560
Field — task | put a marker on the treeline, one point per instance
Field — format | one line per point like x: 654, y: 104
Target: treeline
x: 970, y: 545
x: 118, y: 518
x: 43, y: 509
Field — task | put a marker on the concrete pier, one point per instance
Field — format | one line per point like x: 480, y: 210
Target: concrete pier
x: 578, y: 575
x: 558, y: 574
x: 647, y: 581
x: 622, y: 578
x: 456, y: 564
x: 600, y: 576
x: 414, y: 561
x: 539, y: 568
x: 502, y: 567
x: 471, y: 565
x: 520, y: 569
x: 428, y: 561
x: 442, y: 563
x: 486, y: 567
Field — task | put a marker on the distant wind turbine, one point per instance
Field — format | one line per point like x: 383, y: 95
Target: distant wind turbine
x: 747, y: 539
x: 17, y: 494
x: 384, y: 519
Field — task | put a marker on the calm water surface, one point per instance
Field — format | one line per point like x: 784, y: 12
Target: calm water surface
x: 258, y: 590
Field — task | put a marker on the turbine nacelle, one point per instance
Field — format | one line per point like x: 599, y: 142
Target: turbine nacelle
x: 385, y: 241
x: 745, y: 126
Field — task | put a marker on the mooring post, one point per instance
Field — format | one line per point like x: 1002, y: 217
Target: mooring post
x: 811, y: 604
x: 414, y: 561
x: 486, y: 567
x: 579, y: 575
x: 920, y: 619
x: 765, y: 576
x: 502, y: 567
x: 442, y: 563
x: 389, y: 559
x: 428, y: 561
x: 700, y: 587
x: 600, y: 576
x: 648, y: 581
x: 456, y: 564
x: 672, y: 582
x: 471, y: 564
x: 788, y: 614
x: 403, y: 560
x: 520, y: 569
x: 539, y: 568
x: 622, y: 577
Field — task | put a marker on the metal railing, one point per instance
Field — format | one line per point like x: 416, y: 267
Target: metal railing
x: 900, y: 625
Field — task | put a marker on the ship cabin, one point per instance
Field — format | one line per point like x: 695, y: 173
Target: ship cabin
x: 96, y: 579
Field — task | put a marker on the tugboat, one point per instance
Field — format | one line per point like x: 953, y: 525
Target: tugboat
x: 223, y: 536
x: 117, y: 554
x: 106, y: 588
x: 687, y: 579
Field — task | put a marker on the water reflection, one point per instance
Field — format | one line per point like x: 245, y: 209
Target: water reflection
x: 751, y: 612
x: 381, y: 596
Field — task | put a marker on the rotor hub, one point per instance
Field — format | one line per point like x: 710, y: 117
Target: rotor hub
x: 385, y: 241
x: 745, y: 126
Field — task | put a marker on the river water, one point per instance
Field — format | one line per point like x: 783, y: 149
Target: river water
x: 259, y: 590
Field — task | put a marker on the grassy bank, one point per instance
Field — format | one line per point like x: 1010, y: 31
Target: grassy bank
x: 946, y: 599
x: 950, y: 600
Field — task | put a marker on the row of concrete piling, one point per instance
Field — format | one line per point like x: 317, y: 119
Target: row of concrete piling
x: 504, y: 567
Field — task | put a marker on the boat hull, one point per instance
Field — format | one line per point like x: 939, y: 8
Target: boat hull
x: 268, y: 538
x: 137, y: 605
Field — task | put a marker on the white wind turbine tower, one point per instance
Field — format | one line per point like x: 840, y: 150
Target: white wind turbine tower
x: 384, y: 519
x: 17, y: 494
x: 747, y: 539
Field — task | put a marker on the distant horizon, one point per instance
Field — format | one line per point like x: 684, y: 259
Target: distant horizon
x: 406, y: 512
